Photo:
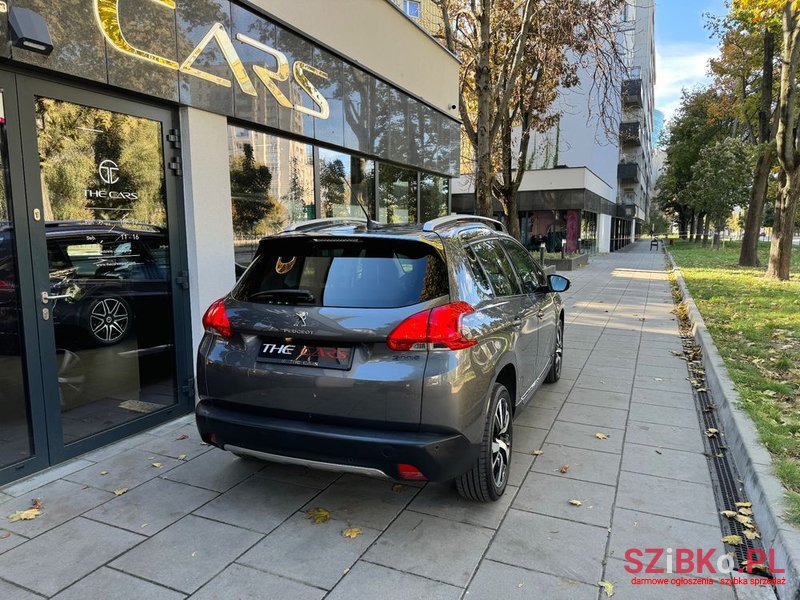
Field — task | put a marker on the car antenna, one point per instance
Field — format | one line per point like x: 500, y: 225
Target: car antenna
x: 371, y: 225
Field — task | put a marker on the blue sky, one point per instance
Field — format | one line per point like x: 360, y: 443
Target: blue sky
x: 683, y: 48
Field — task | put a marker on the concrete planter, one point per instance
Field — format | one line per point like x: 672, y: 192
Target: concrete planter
x: 568, y: 264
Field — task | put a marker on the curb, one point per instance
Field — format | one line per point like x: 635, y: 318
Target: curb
x: 751, y: 458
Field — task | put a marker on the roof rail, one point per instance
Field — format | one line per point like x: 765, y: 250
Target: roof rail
x: 323, y: 223
x: 435, y: 224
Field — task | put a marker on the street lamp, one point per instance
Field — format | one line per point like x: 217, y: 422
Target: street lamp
x: 563, y: 246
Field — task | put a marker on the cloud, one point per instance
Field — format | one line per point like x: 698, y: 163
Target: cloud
x: 679, y: 66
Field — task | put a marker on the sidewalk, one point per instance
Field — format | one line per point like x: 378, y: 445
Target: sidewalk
x: 207, y: 524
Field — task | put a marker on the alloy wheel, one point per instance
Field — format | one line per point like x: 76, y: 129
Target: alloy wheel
x: 501, y: 442
x: 108, y: 320
x: 559, y: 353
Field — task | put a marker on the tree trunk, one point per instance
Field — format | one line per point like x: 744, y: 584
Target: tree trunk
x: 691, y: 228
x: 780, y: 251
x: 484, y: 176
x: 705, y: 231
x: 748, y: 257
x: 718, y: 226
x: 698, y: 228
x: 512, y: 220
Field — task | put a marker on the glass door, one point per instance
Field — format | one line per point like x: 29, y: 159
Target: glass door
x: 103, y: 221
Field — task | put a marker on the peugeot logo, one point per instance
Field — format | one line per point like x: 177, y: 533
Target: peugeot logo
x: 301, y: 318
x: 108, y: 170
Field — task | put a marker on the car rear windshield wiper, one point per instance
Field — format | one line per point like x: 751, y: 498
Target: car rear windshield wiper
x: 284, y: 295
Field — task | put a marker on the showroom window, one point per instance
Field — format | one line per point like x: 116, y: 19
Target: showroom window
x: 397, y: 194
x: 272, y: 186
x: 434, y: 196
x: 345, y: 181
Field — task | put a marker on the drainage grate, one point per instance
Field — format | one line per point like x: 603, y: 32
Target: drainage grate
x: 726, y: 482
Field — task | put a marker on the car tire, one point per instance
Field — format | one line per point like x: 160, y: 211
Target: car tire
x: 487, y: 480
x: 108, y: 320
x: 554, y: 374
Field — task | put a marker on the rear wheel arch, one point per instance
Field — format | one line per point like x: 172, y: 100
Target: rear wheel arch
x: 508, y: 377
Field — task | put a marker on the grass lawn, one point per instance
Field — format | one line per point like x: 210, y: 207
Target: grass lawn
x: 755, y: 323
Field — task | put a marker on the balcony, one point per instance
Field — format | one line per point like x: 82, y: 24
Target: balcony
x: 632, y: 93
x: 628, y: 173
x: 629, y: 134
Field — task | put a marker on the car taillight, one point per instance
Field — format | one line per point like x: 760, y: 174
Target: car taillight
x: 441, y: 325
x: 216, y: 319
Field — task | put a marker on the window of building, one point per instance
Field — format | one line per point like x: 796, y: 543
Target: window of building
x: 272, y: 185
x: 397, y: 194
x: 434, y: 196
x: 346, y: 181
x: 412, y: 8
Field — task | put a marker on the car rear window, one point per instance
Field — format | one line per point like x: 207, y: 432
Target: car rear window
x: 346, y: 273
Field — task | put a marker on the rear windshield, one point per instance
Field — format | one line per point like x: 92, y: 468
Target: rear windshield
x: 346, y: 273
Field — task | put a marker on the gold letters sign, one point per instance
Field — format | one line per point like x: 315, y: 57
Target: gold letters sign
x: 107, y: 15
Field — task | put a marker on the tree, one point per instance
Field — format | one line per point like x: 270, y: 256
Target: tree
x: 516, y: 55
x: 700, y: 120
x: 786, y: 135
x: 746, y: 66
x: 250, y: 186
x: 721, y: 180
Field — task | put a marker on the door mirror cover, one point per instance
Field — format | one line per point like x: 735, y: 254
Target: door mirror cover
x: 558, y: 283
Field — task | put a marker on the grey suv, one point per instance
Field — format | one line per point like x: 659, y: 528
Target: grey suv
x: 398, y: 351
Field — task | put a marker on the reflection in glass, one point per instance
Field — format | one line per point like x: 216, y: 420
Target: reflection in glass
x: 397, y: 195
x: 434, y: 196
x: 104, y: 197
x: 15, y: 429
x: 345, y: 182
x: 272, y: 185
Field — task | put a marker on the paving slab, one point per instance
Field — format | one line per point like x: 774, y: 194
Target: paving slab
x: 108, y: 583
x: 550, y: 545
x: 315, y: 554
x: 187, y: 554
x: 527, y: 439
x: 598, y: 416
x: 535, y: 416
x: 551, y: 495
x: 497, y: 580
x: 584, y: 465
x: 585, y: 436
x: 438, y: 499
x: 666, y: 436
x: 667, y: 497
x: 215, y: 470
x: 126, y: 469
x: 415, y: 543
x: 663, y: 462
x: 62, y: 556
x: 580, y: 395
x: 368, y: 580
x: 238, y: 582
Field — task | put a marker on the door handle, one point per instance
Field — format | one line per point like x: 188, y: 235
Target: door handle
x: 47, y: 297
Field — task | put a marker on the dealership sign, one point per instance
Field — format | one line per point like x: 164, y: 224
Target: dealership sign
x: 107, y: 16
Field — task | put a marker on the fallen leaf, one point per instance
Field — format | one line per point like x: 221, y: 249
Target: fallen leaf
x: 575, y: 502
x: 658, y: 379
x: 564, y: 468
x: 25, y: 515
x: 746, y: 511
x: 607, y: 586
x: 157, y: 465
x: 319, y: 515
x: 5, y: 535
x: 37, y: 503
x: 733, y: 540
x: 744, y: 504
x: 711, y: 432
x: 120, y: 491
x: 601, y: 436
x: 537, y: 452
x: 182, y: 436
x: 728, y: 513
x: 751, y: 534
x: 182, y: 457
x: 659, y: 452
x: 746, y: 521
x: 398, y: 487
x: 752, y: 565
x: 351, y: 532
x: 103, y: 472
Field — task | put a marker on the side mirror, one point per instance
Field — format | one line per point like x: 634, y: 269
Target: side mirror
x: 558, y: 283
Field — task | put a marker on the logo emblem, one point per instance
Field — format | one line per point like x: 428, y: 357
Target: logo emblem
x: 300, y: 318
x: 108, y: 170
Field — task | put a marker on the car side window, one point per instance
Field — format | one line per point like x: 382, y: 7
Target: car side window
x: 529, y: 272
x: 498, y: 269
x: 479, y: 275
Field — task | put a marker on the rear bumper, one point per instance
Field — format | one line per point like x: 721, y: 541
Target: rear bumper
x: 439, y: 456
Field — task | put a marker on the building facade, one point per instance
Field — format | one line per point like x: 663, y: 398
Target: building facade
x: 146, y: 147
x: 585, y: 185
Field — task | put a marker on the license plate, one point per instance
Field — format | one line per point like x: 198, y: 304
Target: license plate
x: 307, y: 355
